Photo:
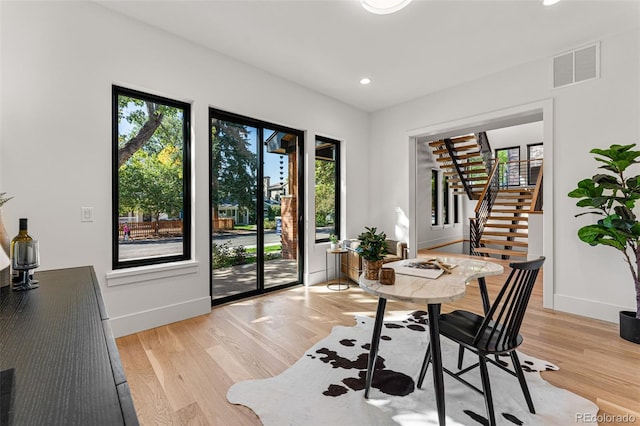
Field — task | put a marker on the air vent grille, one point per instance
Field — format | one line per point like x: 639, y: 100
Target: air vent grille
x: 576, y: 66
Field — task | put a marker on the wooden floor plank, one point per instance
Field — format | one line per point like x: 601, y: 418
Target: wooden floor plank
x: 180, y: 373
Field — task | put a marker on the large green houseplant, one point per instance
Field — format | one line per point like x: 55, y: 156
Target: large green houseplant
x: 372, y: 249
x: 613, y: 196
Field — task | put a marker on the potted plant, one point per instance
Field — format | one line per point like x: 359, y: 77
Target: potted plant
x: 333, y: 239
x: 613, y: 196
x: 372, y: 249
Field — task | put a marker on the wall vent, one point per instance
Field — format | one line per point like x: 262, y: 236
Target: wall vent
x: 576, y: 66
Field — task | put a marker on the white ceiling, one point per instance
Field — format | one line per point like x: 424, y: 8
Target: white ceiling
x: 329, y: 45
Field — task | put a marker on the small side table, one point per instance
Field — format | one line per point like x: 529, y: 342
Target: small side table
x: 337, y: 254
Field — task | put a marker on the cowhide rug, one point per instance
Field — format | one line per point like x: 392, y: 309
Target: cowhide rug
x: 325, y: 387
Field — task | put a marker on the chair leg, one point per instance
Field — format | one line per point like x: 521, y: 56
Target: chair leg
x: 425, y: 366
x: 460, y: 356
x: 523, y: 382
x: 486, y: 388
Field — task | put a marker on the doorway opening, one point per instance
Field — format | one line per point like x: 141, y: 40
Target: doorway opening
x: 421, y: 209
x: 256, y: 205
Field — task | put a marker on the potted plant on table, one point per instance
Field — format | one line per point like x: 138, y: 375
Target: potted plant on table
x: 372, y: 249
x: 333, y: 240
x: 613, y: 196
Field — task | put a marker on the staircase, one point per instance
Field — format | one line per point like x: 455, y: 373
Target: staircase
x: 463, y: 163
x: 500, y: 228
x: 506, y: 229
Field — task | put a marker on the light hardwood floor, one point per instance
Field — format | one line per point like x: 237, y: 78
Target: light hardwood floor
x: 180, y: 373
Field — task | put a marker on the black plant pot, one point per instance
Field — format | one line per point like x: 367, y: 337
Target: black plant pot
x: 630, y: 326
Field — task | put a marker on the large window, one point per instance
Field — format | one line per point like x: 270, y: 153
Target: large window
x: 151, y: 174
x: 327, y: 188
x: 509, y: 169
x: 535, y: 154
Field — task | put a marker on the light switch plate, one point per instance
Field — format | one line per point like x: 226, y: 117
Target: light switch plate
x: 86, y: 214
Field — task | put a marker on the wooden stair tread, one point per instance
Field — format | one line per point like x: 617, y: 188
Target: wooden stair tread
x: 505, y: 225
x: 505, y: 243
x: 519, y: 189
x: 473, y: 185
x: 467, y: 156
x: 506, y: 234
x: 503, y: 252
x: 511, y: 203
x: 465, y: 164
x: 457, y: 148
x: 517, y: 218
x: 528, y: 195
x: 467, y: 172
x: 468, y: 164
x: 508, y: 211
x: 459, y: 139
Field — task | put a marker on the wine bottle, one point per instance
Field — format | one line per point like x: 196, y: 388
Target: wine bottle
x: 23, y: 235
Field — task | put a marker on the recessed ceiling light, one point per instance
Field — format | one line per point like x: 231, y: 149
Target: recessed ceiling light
x: 383, y: 7
x: 549, y: 2
x: 365, y: 81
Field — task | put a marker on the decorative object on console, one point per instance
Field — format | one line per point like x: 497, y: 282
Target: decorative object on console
x: 372, y: 248
x: 613, y: 196
x: 25, y: 256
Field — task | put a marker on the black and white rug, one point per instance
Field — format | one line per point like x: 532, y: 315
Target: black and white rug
x: 326, y: 386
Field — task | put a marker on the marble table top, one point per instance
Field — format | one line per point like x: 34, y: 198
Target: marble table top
x: 446, y: 288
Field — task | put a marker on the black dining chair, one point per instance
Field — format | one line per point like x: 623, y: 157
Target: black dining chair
x: 496, y: 333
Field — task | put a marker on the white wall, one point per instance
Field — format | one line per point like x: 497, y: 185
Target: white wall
x: 520, y: 135
x: 592, y: 281
x: 59, y: 61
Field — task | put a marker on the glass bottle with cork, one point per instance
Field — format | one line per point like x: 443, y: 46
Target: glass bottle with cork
x: 25, y: 247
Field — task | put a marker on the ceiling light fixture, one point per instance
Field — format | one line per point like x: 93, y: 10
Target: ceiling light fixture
x: 365, y: 81
x: 383, y: 7
x: 549, y: 2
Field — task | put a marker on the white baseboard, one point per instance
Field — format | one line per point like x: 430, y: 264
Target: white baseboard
x: 139, y: 321
x: 314, y: 277
x: 588, y: 308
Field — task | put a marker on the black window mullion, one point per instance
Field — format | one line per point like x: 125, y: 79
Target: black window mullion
x: 260, y: 208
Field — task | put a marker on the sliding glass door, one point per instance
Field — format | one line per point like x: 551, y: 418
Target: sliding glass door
x: 255, y: 206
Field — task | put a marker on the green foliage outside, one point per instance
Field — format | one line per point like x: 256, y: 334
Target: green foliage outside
x: 223, y: 255
x: 150, y: 178
x: 234, y: 166
x: 273, y: 211
x: 325, y: 192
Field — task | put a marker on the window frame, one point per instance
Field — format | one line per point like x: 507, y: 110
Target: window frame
x: 532, y: 182
x: 446, y: 220
x: 186, y: 180
x: 337, y: 210
x: 435, y: 195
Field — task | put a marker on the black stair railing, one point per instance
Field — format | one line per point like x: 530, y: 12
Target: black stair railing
x: 483, y: 209
x: 454, y: 159
x: 485, y: 149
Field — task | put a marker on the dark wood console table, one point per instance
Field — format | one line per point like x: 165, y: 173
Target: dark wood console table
x: 59, y: 361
